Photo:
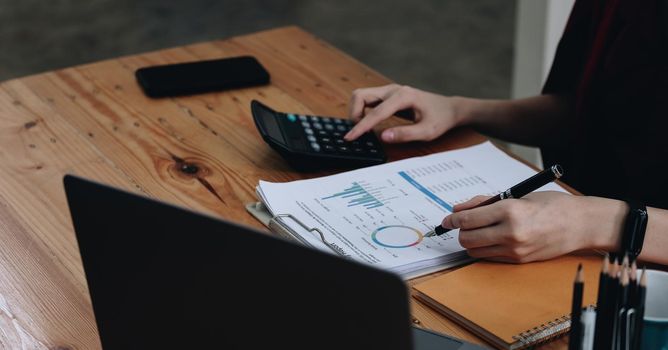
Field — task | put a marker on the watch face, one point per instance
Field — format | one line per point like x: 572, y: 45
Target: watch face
x: 635, y: 225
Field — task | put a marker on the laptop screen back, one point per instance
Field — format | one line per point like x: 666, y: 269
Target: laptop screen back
x: 164, y: 277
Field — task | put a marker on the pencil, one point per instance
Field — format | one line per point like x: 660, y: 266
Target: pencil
x: 602, y: 303
x: 575, y: 336
x: 622, y: 315
x: 619, y: 303
x: 633, y: 281
x: 611, y: 307
x: 632, y: 301
x: 640, y: 310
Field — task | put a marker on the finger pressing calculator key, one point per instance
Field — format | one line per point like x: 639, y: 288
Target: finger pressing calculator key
x: 314, y: 142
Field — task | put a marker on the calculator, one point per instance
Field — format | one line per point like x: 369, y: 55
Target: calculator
x: 311, y: 142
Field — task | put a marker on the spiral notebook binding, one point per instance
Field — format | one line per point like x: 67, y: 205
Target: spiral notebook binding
x: 543, y: 333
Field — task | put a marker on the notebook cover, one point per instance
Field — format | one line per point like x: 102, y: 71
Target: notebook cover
x: 502, y: 302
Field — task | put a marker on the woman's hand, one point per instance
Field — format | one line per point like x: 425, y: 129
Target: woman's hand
x: 434, y: 114
x: 539, y: 226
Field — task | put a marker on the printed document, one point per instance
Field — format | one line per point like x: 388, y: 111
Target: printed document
x: 379, y: 215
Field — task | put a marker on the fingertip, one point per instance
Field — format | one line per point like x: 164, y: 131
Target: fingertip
x: 388, y: 136
x: 353, y: 133
x: 447, y: 222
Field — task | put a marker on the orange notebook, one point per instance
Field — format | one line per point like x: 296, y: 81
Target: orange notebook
x: 512, y: 306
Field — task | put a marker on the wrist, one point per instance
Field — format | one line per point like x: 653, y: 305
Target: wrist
x: 464, y: 110
x: 605, y: 223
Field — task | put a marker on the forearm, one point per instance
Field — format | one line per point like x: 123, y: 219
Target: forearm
x: 606, y: 219
x: 536, y: 120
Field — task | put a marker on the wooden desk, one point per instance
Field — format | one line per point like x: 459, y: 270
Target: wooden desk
x: 94, y: 121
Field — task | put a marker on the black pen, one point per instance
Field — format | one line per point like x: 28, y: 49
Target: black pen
x: 520, y: 190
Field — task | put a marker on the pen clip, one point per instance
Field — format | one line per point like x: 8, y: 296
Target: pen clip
x: 630, y: 326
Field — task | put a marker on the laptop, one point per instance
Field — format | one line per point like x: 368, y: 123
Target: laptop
x: 163, y: 277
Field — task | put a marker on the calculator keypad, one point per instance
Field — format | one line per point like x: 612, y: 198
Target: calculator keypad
x: 310, y: 142
x: 325, y: 135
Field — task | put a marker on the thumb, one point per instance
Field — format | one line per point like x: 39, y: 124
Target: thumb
x: 470, y: 203
x: 413, y: 132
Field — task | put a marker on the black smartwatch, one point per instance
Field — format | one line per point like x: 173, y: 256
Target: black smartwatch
x: 635, y: 225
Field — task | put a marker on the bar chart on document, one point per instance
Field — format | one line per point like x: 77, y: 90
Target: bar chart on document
x: 396, y: 210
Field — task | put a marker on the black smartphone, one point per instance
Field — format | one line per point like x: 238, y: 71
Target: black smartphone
x: 201, y: 76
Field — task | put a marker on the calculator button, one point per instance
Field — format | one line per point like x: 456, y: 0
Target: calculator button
x: 339, y: 142
x: 329, y: 127
x: 325, y: 140
x: 337, y: 134
x: 338, y: 121
x: 292, y: 117
x: 308, y: 131
x: 306, y: 124
x: 329, y: 148
x: 355, y: 143
x: 341, y: 128
x: 314, y: 119
x: 370, y: 144
x: 311, y: 138
x: 344, y: 149
x: 322, y: 133
x: 317, y: 126
x: 315, y: 146
x: 302, y: 117
x: 358, y: 150
x: 373, y: 151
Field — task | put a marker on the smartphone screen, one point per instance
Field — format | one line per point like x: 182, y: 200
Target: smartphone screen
x: 202, y: 76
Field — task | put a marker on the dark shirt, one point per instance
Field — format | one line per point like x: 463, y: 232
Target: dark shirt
x: 613, y: 61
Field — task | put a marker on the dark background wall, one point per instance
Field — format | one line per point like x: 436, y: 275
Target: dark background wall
x: 459, y: 47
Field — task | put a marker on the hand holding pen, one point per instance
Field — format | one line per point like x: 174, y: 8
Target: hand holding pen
x: 540, y: 226
x: 520, y: 190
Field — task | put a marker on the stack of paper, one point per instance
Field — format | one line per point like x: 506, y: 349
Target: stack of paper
x: 379, y: 215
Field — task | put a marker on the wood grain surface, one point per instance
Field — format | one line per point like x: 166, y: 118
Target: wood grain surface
x: 94, y: 121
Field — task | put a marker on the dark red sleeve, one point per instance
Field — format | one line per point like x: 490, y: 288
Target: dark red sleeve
x: 572, y: 50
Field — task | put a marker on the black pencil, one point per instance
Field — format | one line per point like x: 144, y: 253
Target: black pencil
x: 601, y: 303
x: 632, y: 301
x: 620, y: 295
x: 640, y: 310
x: 622, y: 314
x: 575, y: 336
x: 633, y: 282
x: 611, y: 307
